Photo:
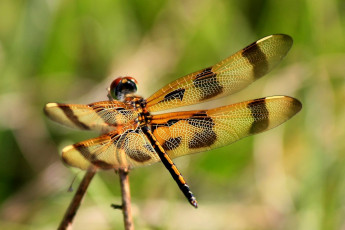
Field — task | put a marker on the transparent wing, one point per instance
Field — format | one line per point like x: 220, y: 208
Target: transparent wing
x: 227, y: 77
x: 112, y: 151
x: 103, y: 116
x: 189, y: 132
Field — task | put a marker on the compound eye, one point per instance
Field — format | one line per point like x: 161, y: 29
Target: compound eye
x: 123, y: 86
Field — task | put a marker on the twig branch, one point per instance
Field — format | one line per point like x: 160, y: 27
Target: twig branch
x: 126, y: 199
x: 67, y: 220
x: 75, y: 203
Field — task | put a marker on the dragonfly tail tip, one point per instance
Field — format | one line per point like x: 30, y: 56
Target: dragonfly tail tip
x: 194, y: 203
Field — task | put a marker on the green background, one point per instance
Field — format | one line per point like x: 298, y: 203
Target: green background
x: 291, y: 177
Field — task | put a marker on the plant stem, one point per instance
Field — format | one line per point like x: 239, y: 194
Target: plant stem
x: 126, y: 199
x: 75, y: 203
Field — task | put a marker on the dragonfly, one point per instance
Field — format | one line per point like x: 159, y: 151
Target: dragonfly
x: 132, y: 136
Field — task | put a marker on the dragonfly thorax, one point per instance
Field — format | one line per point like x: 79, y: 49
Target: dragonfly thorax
x: 139, y: 104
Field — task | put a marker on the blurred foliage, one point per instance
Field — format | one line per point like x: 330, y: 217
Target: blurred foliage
x: 69, y: 51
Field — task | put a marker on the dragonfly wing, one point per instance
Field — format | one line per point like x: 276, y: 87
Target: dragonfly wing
x: 225, y: 78
x: 189, y: 132
x: 111, y: 151
x: 103, y: 116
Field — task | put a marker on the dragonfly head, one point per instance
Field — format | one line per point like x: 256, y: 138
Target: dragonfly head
x: 122, y: 86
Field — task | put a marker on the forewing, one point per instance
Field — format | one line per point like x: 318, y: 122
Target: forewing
x: 103, y: 116
x: 189, y: 132
x: 111, y: 151
x: 225, y: 78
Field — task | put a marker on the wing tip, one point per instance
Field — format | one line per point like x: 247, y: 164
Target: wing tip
x: 71, y: 156
x: 67, y: 149
x: 285, y: 37
x: 295, y: 103
x: 51, y: 104
x: 48, y: 109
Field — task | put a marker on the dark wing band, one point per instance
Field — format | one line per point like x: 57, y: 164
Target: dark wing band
x: 189, y: 132
x: 227, y: 77
x: 103, y: 116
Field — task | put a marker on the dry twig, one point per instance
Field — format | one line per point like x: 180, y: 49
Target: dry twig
x: 75, y: 203
x: 68, y: 218
x: 126, y: 199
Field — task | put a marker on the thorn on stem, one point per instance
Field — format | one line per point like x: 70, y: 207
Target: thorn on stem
x: 116, y: 206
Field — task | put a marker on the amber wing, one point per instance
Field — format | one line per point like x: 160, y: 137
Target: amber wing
x: 112, y: 151
x: 189, y: 132
x: 225, y: 78
x: 104, y: 116
x: 183, y: 133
